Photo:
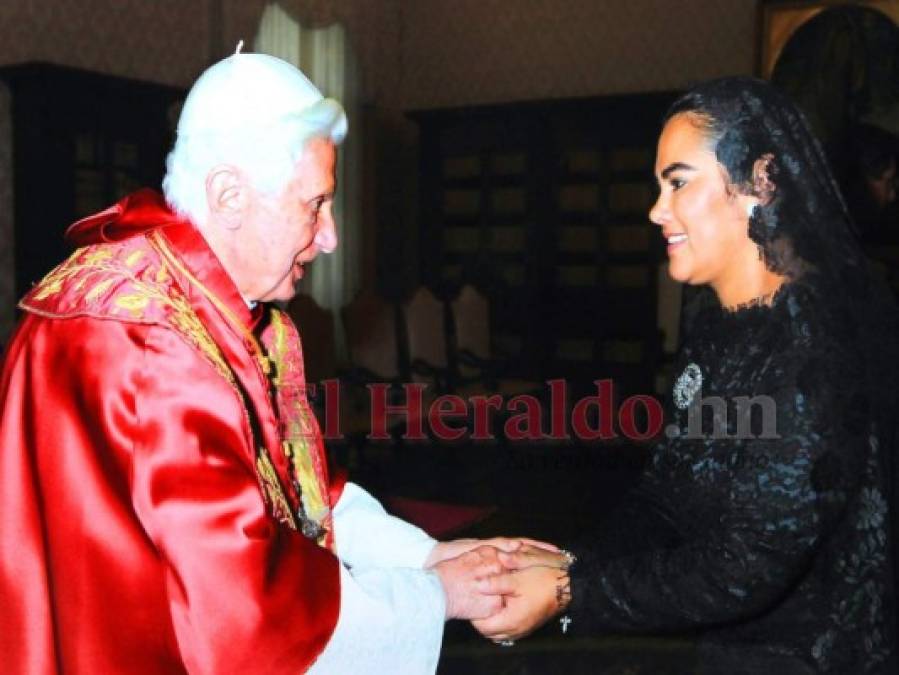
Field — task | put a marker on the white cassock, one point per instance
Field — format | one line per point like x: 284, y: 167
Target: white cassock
x: 392, y: 610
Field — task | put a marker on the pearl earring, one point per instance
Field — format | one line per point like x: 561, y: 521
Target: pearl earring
x: 751, y: 210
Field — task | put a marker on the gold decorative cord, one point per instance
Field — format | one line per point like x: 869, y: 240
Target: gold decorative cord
x: 159, y: 244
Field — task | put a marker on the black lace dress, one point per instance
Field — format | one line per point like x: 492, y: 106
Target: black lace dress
x: 774, y: 551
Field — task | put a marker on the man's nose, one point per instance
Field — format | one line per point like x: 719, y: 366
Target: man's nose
x: 326, y: 236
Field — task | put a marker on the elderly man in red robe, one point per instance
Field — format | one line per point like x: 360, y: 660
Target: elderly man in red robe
x: 165, y: 504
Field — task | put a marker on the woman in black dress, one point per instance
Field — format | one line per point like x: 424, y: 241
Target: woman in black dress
x: 763, y: 524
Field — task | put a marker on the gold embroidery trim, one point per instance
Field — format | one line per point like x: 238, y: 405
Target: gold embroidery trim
x: 296, y: 446
x: 159, y: 244
x: 272, y: 487
x: 102, y: 261
x: 182, y: 317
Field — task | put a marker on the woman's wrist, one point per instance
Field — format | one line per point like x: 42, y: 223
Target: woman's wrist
x: 563, y: 589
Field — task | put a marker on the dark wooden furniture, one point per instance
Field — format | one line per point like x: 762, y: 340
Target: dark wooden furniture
x: 550, y: 200
x: 81, y: 140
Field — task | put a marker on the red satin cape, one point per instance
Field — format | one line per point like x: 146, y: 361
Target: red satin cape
x: 133, y: 533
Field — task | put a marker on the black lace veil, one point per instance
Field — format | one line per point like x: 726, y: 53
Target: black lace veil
x: 804, y: 231
x: 805, y: 224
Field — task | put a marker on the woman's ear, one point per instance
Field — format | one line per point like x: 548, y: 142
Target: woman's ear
x: 763, y: 185
x: 226, y: 196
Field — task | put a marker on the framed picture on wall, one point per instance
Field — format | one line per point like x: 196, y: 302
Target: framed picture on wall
x: 779, y: 20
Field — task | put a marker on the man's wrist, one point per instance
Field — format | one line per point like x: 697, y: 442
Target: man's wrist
x: 441, y: 591
x: 433, y: 557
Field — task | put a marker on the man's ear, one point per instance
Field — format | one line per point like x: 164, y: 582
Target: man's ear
x: 226, y: 195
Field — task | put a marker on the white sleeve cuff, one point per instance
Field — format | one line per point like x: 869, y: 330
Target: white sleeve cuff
x: 391, y: 621
x: 368, y: 537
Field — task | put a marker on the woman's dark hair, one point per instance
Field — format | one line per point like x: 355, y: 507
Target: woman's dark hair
x: 804, y: 225
x: 804, y: 230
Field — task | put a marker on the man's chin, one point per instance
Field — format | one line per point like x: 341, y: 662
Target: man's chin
x: 283, y: 293
x: 285, y: 297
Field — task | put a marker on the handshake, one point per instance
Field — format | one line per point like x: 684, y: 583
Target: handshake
x: 507, y: 587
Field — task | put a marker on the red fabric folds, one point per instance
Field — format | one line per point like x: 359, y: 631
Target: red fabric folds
x: 133, y: 214
x: 134, y: 537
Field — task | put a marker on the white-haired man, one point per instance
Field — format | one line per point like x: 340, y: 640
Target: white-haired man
x: 165, y: 504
